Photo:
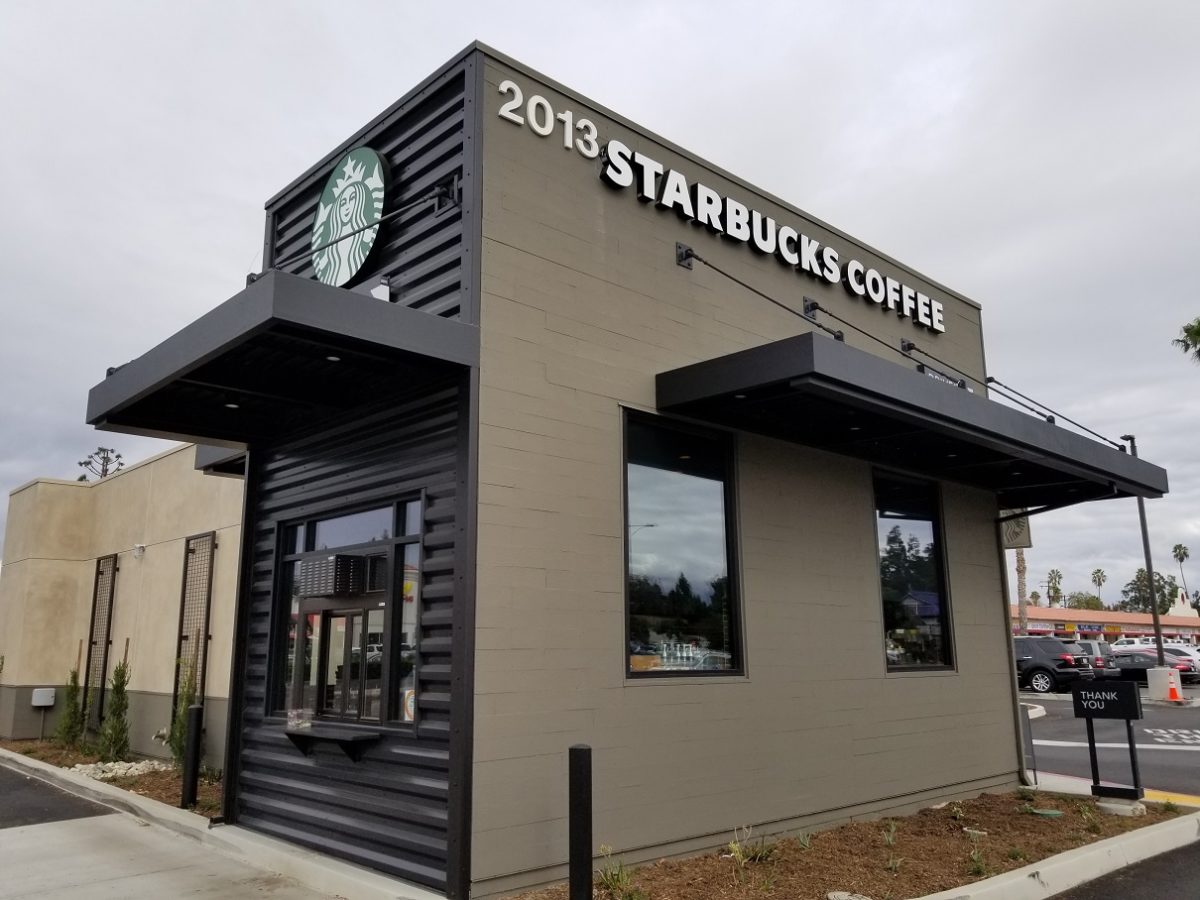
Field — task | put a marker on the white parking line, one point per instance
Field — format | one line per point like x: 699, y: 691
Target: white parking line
x: 1037, y: 743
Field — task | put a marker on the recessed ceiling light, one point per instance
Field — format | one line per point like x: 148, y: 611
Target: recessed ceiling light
x: 334, y: 358
x: 685, y: 456
x: 739, y: 396
x: 951, y: 456
x: 856, y: 428
x: 232, y: 405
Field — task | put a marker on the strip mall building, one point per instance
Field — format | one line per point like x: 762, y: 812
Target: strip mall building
x: 526, y: 459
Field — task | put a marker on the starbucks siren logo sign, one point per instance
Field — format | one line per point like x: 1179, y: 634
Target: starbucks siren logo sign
x: 351, y: 201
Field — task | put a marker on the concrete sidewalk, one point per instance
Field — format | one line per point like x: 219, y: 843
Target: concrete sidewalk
x: 145, y: 849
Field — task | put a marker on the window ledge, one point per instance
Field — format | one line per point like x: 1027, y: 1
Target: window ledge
x: 352, y: 741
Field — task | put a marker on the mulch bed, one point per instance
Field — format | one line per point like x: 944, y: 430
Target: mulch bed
x: 886, y: 859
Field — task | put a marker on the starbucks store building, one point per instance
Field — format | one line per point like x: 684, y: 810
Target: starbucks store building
x: 551, y: 433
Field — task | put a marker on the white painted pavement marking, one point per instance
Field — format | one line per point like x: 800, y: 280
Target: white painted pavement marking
x: 1121, y: 746
x: 1174, y: 735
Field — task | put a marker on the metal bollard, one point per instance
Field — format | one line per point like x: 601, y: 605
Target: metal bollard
x: 193, y: 750
x: 580, y: 819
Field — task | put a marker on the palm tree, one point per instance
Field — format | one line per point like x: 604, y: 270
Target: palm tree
x: 1189, y: 339
x: 1035, y: 598
x: 1098, y: 579
x: 1054, y: 586
x: 1180, y: 553
x: 1022, y: 611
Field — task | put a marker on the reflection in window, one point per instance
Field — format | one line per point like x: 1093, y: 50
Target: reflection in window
x: 912, y: 583
x: 357, y: 528
x: 350, y: 649
x: 682, y: 612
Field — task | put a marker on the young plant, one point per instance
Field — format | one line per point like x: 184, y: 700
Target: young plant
x: 69, y: 729
x: 616, y: 879
x: 894, y: 863
x: 1016, y: 853
x: 743, y: 852
x: 804, y: 839
x: 978, y: 865
x: 114, y: 732
x: 177, y: 739
x: 889, y: 834
x: 1170, y: 808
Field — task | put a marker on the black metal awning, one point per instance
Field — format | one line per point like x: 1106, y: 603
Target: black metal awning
x: 819, y: 392
x: 283, y: 353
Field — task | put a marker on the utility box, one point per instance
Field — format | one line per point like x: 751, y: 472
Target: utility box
x: 42, y: 697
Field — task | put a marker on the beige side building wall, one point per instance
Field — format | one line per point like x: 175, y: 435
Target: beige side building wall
x: 582, y: 304
x: 56, y: 532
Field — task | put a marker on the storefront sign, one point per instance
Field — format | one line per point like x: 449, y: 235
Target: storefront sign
x: 1114, y: 700
x: 1015, y: 531
x: 693, y: 201
x: 348, y: 214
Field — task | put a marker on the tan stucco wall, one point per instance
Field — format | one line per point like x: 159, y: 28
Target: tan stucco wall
x: 582, y: 304
x: 57, y: 530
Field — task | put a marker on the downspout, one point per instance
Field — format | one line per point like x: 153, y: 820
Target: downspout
x: 1023, y: 769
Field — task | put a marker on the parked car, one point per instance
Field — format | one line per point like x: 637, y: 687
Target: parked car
x: 1099, y: 651
x: 1046, y: 664
x: 1133, y: 665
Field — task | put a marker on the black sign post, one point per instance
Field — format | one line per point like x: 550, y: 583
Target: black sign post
x: 1110, y: 700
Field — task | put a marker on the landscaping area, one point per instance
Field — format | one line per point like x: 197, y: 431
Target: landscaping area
x: 887, y: 859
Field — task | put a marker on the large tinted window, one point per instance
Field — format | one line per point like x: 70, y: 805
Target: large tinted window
x: 916, y: 616
x: 681, y: 578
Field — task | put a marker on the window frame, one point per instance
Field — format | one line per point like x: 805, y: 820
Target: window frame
x: 729, y: 448
x: 393, y: 549
x: 946, y: 615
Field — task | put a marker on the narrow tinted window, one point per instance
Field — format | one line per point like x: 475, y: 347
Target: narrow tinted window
x: 915, y: 607
x: 682, y: 604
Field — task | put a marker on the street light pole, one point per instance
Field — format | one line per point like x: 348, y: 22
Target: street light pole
x: 1158, y: 636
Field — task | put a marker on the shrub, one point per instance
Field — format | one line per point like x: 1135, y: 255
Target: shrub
x: 177, y: 739
x: 69, y: 729
x: 114, y: 733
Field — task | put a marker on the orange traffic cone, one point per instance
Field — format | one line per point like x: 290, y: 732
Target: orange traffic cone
x: 1173, y: 687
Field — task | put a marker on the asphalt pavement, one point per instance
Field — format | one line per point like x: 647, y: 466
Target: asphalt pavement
x: 1175, y: 874
x: 28, y: 801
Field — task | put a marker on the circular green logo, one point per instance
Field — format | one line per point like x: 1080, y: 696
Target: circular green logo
x: 348, y: 215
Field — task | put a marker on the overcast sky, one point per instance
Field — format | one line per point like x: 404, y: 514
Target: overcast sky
x: 1042, y: 158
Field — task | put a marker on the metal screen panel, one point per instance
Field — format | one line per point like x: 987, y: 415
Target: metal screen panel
x: 96, y: 670
x: 191, y: 656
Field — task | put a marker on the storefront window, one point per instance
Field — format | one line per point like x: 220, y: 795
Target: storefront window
x: 350, y: 651
x: 681, y: 581
x: 916, y: 617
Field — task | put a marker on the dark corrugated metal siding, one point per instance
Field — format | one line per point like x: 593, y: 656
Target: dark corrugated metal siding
x: 422, y: 250
x: 388, y: 811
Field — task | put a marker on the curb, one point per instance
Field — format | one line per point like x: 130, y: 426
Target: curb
x: 313, y: 871
x: 1075, y: 867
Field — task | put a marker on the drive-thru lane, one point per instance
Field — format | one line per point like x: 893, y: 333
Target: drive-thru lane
x: 56, y: 846
x: 28, y: 801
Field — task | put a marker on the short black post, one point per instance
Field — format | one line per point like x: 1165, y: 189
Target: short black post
x: 580, y: 816
x: 193, y: 749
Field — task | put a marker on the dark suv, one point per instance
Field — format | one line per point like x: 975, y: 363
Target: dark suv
x: 1046, y: 664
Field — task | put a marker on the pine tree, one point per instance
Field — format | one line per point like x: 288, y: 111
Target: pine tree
x: 114, y: 733
x: 69, y: 729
